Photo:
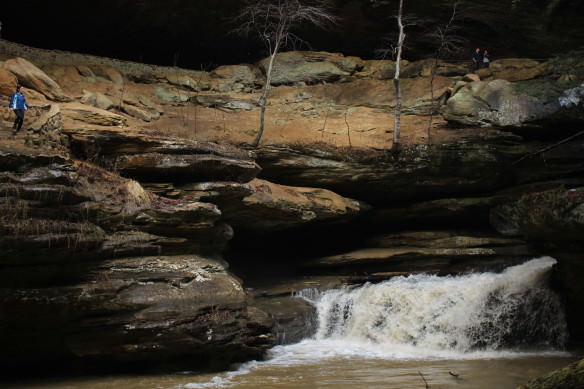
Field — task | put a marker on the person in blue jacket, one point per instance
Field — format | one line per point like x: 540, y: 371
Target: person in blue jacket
x: 18, y: 104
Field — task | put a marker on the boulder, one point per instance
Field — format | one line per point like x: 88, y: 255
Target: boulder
x: 471, y: 77
x: 34, y: 78
x: 496, y: 103
x: 514, y: 69
x: 108, y: 72
x: 310, y: 67
x: 91, y: 115
x: 85, y: 71
x: 46, y: 130
x: 224, y: 101
x: 139, y: 113
x: 240, y: 77
x: 64, y: 75
x: 97, y: 99
x: 171, y: 96
x: 8, y: 82
x: 273, y: 207
x: 380, y: 69
x: 196, y: 82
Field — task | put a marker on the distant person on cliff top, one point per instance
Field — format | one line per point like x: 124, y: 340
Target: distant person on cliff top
x: 477, y: 59
x: 486, y: 59
x: 18, y: 105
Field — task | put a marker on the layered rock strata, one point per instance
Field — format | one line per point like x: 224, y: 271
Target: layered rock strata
x: 138, y: 264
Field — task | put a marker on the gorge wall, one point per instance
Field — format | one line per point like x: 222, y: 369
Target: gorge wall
x: 139, y: 229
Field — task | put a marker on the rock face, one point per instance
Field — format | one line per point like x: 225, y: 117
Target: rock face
x: 157, y: 159
x: 116, y: 208
x: 272, y: 207
x: 185, y: 310
x: 469, y: 167
x: 100, y: 299
x: 552, y: 219
x: 440, y: 252
x: 555, y: 215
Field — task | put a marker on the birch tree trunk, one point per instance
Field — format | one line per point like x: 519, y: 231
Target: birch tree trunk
x: 396, y: 81
x: 264, y: 98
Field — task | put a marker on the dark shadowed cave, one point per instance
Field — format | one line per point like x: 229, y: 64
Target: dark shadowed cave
x: 196, y: 34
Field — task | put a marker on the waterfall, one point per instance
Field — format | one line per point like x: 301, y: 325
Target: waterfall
x: 512, y: 310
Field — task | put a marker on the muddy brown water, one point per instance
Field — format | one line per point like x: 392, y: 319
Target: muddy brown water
x: 337, y: 373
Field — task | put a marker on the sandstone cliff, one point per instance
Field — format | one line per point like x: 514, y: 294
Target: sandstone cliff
x: 130, y: 181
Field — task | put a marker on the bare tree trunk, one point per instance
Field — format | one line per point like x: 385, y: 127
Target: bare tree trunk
x: 396, y: 81
x: 264, y: 99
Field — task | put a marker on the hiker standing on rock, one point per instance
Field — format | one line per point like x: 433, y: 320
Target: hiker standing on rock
x: 18, y: 105
x: 486, y: 59
x: 477, y: 59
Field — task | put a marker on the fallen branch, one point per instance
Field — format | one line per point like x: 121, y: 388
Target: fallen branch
x: 426, y: 382
x: 540, y: 151
x: 454, y: 374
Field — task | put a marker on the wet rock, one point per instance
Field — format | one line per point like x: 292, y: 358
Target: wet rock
x: 569, y: 377
x: 463, y: 167
x: 555, y: 215
x: 135, y: 310
x: 441, y: 252
x: 34, y: 78
x: 294, y: 318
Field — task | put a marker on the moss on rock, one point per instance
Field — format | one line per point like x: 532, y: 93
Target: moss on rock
x: 569, y: 377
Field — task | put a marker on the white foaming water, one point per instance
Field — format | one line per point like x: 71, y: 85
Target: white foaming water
x: 424, y: 317
x: 430, y: 314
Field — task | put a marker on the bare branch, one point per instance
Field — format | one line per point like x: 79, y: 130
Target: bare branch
x: 272, y: 21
